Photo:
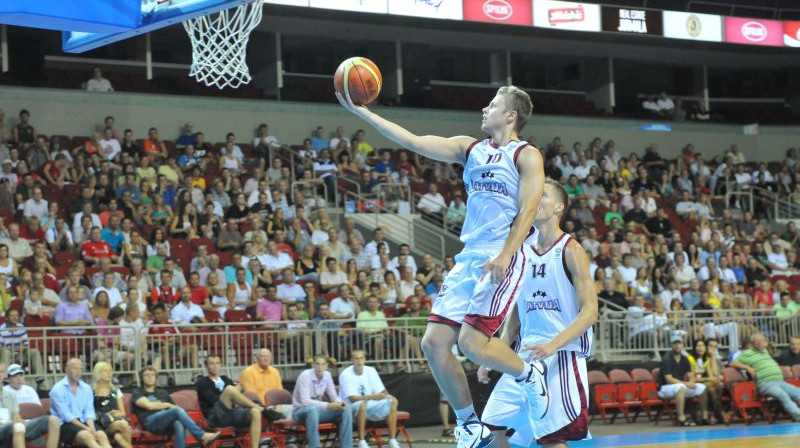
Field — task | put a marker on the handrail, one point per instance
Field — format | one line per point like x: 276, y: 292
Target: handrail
x: 285, y: 149
x: 350, y: 181
x: 379, y: 189
x: 380, y: 209
x: 313, y: 185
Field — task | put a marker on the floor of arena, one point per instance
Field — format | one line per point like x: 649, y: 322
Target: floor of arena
x: 645, y: 435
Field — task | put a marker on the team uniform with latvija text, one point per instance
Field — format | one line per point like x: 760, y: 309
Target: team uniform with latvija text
x: 546, y: 307
x: 491, y: 179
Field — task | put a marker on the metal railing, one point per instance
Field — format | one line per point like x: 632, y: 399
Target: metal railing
x: 311, y: 186
x: 387, y: 191
x: 623, y: 335
x: 181, y: 352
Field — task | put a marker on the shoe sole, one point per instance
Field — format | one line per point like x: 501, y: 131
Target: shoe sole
x: 480, y: 442
x: 546, y: 389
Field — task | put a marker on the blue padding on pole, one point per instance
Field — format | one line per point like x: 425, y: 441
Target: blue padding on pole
x: 93, y: 16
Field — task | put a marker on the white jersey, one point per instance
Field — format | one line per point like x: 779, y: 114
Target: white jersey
x: 491, y: 179
x: 549, y: 303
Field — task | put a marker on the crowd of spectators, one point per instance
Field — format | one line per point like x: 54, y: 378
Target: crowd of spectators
x: 119, y: 230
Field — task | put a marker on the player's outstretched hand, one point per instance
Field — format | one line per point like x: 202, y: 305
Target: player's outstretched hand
x: 348, y: 104
x: 497, y: 267
x: 483, y: 374
x: 540, y: 351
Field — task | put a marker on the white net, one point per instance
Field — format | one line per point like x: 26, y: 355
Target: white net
x: 219, y: 44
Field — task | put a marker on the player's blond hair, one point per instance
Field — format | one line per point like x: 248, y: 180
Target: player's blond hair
x: 560, y: 191
x: 520, y: 102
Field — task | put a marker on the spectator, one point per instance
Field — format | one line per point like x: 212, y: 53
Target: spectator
x: 22, y: 392
x: 276, y: 261
x: 260, y: 377
x: 270, y: 308
x: 73, y: 313
x: 72, y: 401
x: 158, y: 414
x: 18, y: 248
x: 678, y: 382
x: 361, y: 388
x: 315, y: 401
x: 35, y: 206
x: 218, y: 395
x: 791, y: 354
x: 666, y: 107
x: 14, y: 431
x: 97, y: 83
x: 768, y: 376
x: 96, y: 248
x: 153, y: 146
x: 708, y: 370
x: 344, y: 306
x: 109, y: 406
x: 432, y: 203
x: 186, y: 312
x: 288, y: 291
x: 456, y: 213
x: 16, y: 345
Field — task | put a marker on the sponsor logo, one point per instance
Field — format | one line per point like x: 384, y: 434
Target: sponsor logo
x: 498, y: 9
x: 534, y: 305
x: 754, y: 31
x: 434, y: 3
x: 565, y: 15
x: 694, y: 26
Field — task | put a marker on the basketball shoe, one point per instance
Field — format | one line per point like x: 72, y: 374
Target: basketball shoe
x: 473, y: 434
x: 536, y: 391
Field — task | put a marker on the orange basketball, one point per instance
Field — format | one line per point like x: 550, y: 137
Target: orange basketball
x: 358, y: 78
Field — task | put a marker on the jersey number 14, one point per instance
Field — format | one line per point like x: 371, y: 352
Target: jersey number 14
x: 538, y: 272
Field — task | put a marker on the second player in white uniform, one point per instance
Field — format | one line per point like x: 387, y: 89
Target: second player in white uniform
x: 552, y: 321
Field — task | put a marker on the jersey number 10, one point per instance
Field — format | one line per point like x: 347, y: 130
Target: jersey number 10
x: 494, y: 158
x: 539, y: 272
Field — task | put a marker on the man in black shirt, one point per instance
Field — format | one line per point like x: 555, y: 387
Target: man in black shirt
x: 158, y: 414
x: 218, y: 395
x: 791, y: 356
x: 677, y: 378
x: 615, y: 297
x: 659, y: 224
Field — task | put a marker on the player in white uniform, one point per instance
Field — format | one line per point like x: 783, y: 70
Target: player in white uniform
x: 504, y: 179
x: 552, y: 321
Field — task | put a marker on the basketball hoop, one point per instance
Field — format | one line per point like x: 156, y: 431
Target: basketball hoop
x: 219, y: 44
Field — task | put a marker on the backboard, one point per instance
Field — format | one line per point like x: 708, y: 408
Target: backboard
x: 152, y: 15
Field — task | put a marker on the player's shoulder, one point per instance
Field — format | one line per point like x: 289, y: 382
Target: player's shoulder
x: 573, y: 249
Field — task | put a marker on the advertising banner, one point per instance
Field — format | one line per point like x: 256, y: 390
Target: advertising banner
x: 378, y: 6
x: 693, y: 26
x: 431, y: 9
x: 740, y: 30
x: 791, y: 34
x: 632, y: 20
x: 566, y: 15
x: 511, y: 12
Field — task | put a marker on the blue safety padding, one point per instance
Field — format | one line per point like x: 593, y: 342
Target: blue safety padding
x: 94, y: 16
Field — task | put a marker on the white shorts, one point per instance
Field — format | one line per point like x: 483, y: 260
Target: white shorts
x: 668, y: 391
x: 377, y: 410
x: 467, y: 295
x: 567, y: 418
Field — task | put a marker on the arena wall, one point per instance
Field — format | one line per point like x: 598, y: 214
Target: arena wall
x: 74, y: 112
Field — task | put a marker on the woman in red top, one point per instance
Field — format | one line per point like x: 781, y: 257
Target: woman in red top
x: 763, y: 295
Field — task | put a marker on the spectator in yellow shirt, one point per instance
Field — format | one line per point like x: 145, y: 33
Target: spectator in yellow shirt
x: 260, y: 377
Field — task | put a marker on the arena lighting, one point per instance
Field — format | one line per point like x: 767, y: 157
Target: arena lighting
x: 657, y: 127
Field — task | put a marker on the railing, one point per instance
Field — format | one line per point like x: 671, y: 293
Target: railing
x: 387, y: 190
x: 180, y: 354
x: 622, y: 335
x: 312, y: 187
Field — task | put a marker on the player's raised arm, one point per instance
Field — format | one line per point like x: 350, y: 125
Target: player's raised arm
x: 578, y: 265
x: 443, y: 149
x: 531, y: 186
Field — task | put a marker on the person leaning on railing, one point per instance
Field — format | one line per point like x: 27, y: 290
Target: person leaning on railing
x: 16, y: 345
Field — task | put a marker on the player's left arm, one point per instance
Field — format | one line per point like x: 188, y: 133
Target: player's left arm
x: 578, y: 265
x: 531, y: 186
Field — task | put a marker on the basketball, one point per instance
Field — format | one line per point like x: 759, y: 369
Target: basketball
x: 358, y: 78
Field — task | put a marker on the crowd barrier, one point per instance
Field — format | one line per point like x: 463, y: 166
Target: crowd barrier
x: 619, y: 336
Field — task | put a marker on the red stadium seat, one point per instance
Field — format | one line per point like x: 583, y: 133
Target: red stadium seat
x: 619, y: 376
x: 640, y: 375
x: 745, y: 397
x: 606, y: 399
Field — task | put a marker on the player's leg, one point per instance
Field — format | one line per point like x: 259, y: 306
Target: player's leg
x: 437, y: 344
x: 489, y: 351
x: 507, y: 410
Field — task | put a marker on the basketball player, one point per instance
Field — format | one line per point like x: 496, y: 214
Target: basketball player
x: 504, y: 178
x: 553, y: 322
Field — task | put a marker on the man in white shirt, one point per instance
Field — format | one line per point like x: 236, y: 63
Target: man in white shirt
x: 334, y: 142
x: 372, y: 247
x: 405, y: 255
x: 432, y: 201
x: 685, y: 273
x: 16, y: 386
x: 665, y: 105
x: 333, y: 277
x: 744, y: 180
x: 685, y: 205
x: 110, y: 287
x: 777, y: 259
x: 627, y: 271
x: 669, y: 293
x: 132, y: 331
x: 704, y: 273
x: 407, y: 284
x: 213, y: 266
x: 97, y: 83
x: 109, y: 146
x: 344, y: 306
x: 35, y: 206
x: 290, y: 292
x: 361, y: 387
x: 184, y: 312
x: 86, y: 209
x: 263, y: 139
x: 276, y: 261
